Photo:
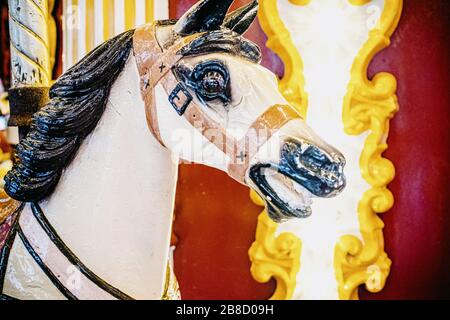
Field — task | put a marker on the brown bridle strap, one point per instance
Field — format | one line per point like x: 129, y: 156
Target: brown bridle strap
x: 154, y: 65
x: 259, y: 134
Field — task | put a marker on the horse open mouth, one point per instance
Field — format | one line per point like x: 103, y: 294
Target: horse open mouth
x: 305, y: 171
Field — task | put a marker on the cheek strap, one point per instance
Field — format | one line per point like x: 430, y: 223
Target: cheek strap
x: 153, y: 64
x: 155, y: 67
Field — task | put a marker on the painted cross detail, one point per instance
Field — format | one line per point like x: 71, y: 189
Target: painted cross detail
x: 241, y: 156
x: 162, y: 67
x: 146, y: 83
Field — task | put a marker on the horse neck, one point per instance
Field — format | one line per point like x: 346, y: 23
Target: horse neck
x: 113, y: 205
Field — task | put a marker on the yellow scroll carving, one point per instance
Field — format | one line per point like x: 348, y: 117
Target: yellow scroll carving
x: 292, y: 85
x: 368, y: 106
x: 275, y: 257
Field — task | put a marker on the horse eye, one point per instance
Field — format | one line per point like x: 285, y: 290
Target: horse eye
x: 213, y: 83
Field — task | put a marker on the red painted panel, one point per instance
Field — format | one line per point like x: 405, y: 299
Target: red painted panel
x: 215, y: 226
x: 418, y: 228
x: 5, y: 58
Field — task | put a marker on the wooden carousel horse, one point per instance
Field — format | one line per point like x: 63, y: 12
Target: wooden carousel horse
x: 94, y: 181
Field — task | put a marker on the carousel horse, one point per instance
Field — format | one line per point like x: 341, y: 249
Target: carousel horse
x: 93, y: 183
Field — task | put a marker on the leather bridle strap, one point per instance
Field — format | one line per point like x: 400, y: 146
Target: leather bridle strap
x: 155, y: 67
x: 259, y: 133
x: 153, y: 64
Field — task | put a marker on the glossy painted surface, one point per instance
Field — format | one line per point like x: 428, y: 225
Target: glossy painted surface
x: 270, y: 60
x: 216, y: 220
x: 213, y: 262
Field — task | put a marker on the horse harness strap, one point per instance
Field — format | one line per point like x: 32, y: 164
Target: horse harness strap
x: 155, y: 67
x: 69, y: 275
x: 147, y: 53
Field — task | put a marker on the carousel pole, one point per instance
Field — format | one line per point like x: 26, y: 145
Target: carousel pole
x: 30, y: 60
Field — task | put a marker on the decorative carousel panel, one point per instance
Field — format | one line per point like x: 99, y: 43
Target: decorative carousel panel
x: 87, y: 205
x: 326, y: 47
x: 88, y: 23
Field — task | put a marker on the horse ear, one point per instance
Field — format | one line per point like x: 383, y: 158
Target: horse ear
x: 240, y: 20
x: 207, y: 15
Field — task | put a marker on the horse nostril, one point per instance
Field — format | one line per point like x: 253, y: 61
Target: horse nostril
x: 319, y: 170
x: 304, y: 155
x: 340, y: 160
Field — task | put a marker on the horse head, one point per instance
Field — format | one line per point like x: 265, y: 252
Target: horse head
x: 229, y: 113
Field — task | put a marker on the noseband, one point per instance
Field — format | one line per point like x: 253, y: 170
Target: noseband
x: 155, y: 67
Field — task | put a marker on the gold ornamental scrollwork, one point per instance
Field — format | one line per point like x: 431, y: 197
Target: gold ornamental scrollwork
x: 368, y: 107
x: 275, y: 257
x: 279, y: 39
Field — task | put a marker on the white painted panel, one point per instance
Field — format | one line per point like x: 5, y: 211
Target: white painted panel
x: 99, y: 22
x: 141, y: 9
x: 161, y: 9
x: 82, y: 14
x: 119, y: 16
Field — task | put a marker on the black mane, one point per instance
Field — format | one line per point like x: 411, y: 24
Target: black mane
x: 78, y: 100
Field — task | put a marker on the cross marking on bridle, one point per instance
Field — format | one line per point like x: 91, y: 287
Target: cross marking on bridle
x: 162, y: 67
x: 242, y: 156
x: 146, y: 83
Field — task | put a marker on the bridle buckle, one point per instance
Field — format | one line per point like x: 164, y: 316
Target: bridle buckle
x: 180, y: 102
